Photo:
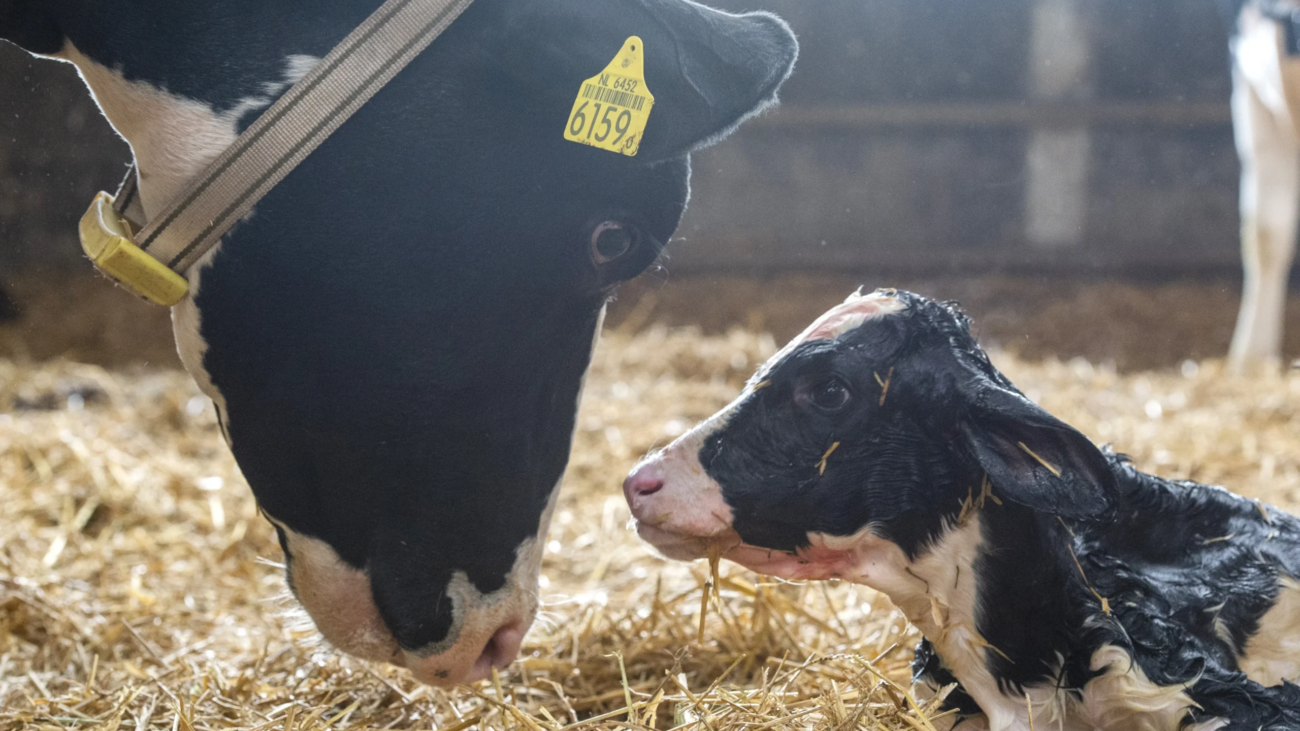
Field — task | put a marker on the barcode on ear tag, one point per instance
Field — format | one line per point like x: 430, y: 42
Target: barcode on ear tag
x: 613, y: 107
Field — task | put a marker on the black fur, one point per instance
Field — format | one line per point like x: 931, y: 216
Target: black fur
x: 31, y: 25
x: 1178, y: 563
x: 401, y: 328
x: 928, y: 669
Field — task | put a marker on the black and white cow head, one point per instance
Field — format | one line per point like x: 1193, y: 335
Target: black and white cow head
x: 868, y: 432
x: 396, y: 337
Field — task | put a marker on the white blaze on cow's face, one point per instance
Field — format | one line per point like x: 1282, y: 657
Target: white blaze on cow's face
x: 680, y: 510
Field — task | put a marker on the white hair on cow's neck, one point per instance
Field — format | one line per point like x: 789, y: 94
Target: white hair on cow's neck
x: 173, y: 140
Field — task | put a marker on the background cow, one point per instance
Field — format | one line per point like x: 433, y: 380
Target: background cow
x: 396, y: 338
x: 1266, y: 120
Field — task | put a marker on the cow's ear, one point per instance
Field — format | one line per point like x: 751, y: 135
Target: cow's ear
x: 28, y: 24
x: 1034, y: 459
x: 708, y: 70
x: 714, y: 70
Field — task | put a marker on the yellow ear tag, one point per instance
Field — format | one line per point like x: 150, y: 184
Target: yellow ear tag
x: 613, y: 107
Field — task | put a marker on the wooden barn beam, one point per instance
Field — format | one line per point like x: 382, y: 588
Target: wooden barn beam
x: 1189, y: 115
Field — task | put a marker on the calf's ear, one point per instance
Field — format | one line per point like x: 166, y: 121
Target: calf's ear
x: 27, y: 24
x: 1034, y: 459
x: 708, y: 70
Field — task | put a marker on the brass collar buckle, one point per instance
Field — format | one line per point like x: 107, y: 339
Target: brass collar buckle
x: 106, y: 237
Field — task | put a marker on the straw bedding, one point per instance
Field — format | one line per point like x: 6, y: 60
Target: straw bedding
x: 139, y: 589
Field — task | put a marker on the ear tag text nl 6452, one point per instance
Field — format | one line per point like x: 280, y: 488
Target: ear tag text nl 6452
x: 613, y: 107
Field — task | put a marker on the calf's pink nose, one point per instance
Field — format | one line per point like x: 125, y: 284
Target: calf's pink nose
x: 645, y: 480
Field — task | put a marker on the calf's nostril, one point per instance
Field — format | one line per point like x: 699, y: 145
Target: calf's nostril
x: 642, y: 483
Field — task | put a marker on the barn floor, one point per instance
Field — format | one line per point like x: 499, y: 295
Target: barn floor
x: 139, y: 588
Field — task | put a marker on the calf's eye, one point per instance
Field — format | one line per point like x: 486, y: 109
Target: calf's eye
x: 829, y: 395
x: 612, y: 240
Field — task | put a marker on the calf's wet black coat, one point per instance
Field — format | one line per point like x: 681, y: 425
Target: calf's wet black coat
x: 1187, y: 571
x: 400, y: 330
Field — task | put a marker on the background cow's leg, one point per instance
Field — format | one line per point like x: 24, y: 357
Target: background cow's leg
x: 1270, y: 206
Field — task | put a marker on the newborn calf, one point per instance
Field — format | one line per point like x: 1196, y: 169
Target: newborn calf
x: 882, y: 447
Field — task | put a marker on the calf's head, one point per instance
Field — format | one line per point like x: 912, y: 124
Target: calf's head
x: 396, y: 337
x: 870, y: 429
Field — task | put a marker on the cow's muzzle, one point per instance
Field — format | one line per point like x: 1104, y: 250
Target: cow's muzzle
x: 487, y: 634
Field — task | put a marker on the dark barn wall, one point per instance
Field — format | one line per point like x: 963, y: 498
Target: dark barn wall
x: 56, y: 152
x: 906, y: 141
x: 903, y: 140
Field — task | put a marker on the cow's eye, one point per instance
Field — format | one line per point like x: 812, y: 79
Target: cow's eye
x: 831, y: 394
x: 612, y: 240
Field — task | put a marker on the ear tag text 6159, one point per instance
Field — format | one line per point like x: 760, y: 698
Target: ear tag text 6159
x: 613, y: 107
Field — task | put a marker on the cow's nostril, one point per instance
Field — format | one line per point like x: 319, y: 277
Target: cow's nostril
x: 644, y: 481
x: 499, y: 652
x: 460, y: 666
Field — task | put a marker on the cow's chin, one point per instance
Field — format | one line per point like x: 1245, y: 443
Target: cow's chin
x: 816, y: 562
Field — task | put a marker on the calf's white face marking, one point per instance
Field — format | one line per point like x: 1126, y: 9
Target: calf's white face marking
x: 850, y: 315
